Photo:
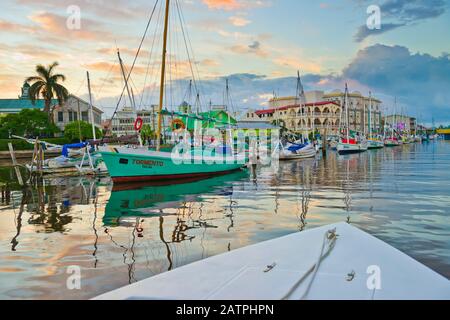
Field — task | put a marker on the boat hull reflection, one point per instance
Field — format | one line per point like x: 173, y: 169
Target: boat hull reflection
x: 146, y: 200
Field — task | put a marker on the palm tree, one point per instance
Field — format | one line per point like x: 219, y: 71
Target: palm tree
x: 46, y: 84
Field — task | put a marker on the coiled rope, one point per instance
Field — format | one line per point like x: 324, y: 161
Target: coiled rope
x: 328, y: 244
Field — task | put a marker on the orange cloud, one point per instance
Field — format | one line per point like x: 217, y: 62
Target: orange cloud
x: 6, y: 26
x: 239, y: 21
x: 296, y: 64
x: 231, y: 5
x: 223, y: 4
x: 56, y: 25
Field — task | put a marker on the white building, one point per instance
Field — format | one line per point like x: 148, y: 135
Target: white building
x: 123, y: 122
x: 75, y: 109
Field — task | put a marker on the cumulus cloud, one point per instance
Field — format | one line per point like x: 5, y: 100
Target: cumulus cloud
x: 400, y: 13
x: 421, y: 81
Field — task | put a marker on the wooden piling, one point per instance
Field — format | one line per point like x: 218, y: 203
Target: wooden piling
x: 15, y: 164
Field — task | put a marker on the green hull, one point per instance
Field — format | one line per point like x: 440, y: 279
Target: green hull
x: 130, y: 167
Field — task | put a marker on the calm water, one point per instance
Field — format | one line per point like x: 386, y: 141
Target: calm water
x: 399, y: 195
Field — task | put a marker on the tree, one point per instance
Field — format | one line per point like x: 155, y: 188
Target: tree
x: 30, y: 123
x: 77, y: 130
x: 282, y: 125
x: 46, y: 84
x: 147, y: 133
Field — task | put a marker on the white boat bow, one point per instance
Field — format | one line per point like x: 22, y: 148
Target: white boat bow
x: 358, y: 266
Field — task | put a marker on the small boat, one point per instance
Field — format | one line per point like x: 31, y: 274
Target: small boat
x: 334, y: 144
x: 375, y: 144
x: 335, y: 262
x: 373, y: 141
x: 75, y: 159
x: 296, y: 151
x: 391, y: 142
x: 351, y: 146
x: 349, y: 142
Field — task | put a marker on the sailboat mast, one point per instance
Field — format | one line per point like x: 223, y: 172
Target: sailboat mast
x: 125, y: 78
x: 370, y: 115
x: 347, y: 120
x: 163, y: 74
x: 90, y: 106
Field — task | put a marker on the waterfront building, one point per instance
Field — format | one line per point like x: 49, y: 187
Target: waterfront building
x: 72, y: 110
x: 321, y: 112
x: 310, y: 97
x: 123, y: 122
x: 401, y: 122
x: 359, y: 109
x: 445, y: 132
x: 322, y: 116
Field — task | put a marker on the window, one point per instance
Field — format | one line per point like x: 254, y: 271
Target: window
x: 75, y: 116
x: 84, y: 116
x: 70, y: 116
x: 60, y: 116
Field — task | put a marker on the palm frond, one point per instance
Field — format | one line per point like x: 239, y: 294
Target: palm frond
x: 33, y: 79
x: 62, y: 94
x: 35, y: 90
x: 42, y: 71
x: 51, y: 67
x: 57, y: 77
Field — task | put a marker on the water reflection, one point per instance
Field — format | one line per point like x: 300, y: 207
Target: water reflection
x: 124, y: 235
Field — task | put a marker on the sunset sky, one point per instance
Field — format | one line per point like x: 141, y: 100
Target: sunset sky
x: 258, y: 44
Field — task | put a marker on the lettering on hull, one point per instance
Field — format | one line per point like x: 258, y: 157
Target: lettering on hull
x: 148, y: 163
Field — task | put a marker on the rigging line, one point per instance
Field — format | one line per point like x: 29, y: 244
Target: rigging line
x: 200, y: 89
x: 183, y: 21
x: 186, y: 39
x: 135, y: 59
x: 149, y: 63
x: 155, y: 44
x: 170, y: 58
x: 79, y: 88
x: 103, y: 84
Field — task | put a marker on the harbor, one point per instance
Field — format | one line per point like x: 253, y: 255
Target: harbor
x: 204, y: 153
x: 120, y: 237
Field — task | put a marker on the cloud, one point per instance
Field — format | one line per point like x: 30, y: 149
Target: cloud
x: 231, y: 5
x: 239, y: 21
x: 55, y: 25
x: 117, y: 9
x: 6, y: 26
x: 364, y: 32
x: 253, y: 48
x: 400, y: 13
x: 420, y: 81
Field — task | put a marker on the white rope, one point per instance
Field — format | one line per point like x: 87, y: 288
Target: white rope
x: 328, y: 244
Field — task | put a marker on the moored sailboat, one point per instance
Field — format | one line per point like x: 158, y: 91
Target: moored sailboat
x: 129, y: 164
x: 373, y: 141
x: 350, y: 142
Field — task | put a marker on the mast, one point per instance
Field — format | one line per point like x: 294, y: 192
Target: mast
x: 346, y: 113
x: 395, y: 118
x: 369, y: 115
x: 125, y: 79
x: 90, y: 106
x: 163, y: 74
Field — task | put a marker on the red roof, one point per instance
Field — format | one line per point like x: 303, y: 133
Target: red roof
x: 314, y: 104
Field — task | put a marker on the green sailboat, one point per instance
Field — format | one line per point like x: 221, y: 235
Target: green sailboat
x: 131, y: 164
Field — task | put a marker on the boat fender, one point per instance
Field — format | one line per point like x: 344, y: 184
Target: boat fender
x: 138, y: 124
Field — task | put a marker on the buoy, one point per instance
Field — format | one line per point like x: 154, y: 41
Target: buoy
x: 138, y: 124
